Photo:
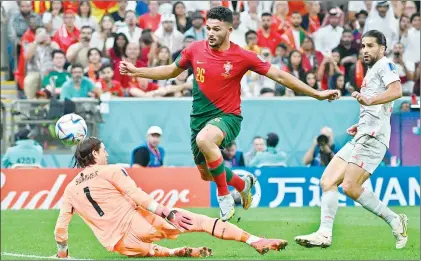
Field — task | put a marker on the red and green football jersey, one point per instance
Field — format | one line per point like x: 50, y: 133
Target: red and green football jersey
x: 216, y: 85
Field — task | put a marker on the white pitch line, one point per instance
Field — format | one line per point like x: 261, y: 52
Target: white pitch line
x: 35, y: 256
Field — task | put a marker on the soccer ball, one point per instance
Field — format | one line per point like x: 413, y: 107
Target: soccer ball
x: 71, y: 129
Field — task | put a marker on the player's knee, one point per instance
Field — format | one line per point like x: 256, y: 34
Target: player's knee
x: 327, y: 183
x: 202, y: 141
x: 206, y: 177
x: 349, y: 188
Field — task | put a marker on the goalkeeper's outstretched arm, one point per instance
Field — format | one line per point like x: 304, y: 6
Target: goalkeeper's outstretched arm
x: 154, y: 73
x: 61, y: 232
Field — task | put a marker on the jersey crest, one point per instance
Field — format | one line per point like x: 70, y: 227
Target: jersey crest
x: 227, y: 67
x: 392, y: 67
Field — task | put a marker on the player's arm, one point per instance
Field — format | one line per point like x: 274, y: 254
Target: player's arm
x: 122, y: 181
x: 154, y: 73
x: 61, y: 230
x: 288, y: 80
x: 391, y: 80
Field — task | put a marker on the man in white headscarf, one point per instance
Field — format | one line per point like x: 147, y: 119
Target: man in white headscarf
x: 382, y: 18
x: 168, y: 35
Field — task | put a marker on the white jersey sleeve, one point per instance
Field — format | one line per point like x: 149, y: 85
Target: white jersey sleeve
x: 388, y: 73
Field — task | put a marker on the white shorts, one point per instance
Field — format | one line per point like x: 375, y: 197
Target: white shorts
x: 365, y: 151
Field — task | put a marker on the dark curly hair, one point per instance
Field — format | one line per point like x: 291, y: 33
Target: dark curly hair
x: 84, y: 152
x: 220, y: 13
x: 379, y: 36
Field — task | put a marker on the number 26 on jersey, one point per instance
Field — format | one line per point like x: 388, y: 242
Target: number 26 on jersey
x: 200, y: 75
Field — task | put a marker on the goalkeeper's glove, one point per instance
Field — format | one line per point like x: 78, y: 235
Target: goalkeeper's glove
x: 63, y: 250
x: 175, y: 218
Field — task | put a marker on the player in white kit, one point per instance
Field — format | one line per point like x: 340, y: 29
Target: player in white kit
x: 358, y: 159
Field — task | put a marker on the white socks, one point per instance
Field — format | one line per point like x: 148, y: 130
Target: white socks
x: 371, y: 202
x: 329, y: 206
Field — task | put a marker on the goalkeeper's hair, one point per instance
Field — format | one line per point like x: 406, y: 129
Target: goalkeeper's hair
x: 83, y: 155
x: 220, y: 13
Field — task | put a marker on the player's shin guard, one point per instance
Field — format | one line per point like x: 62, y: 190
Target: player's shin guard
x: 217, y: 169
x: 371, y: 202
x: 234, y: 180
x: 329, y: 207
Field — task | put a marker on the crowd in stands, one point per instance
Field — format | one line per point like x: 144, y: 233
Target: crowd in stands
x: 73, y: 48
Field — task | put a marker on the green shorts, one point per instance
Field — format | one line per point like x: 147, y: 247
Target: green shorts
x: 230, y: 125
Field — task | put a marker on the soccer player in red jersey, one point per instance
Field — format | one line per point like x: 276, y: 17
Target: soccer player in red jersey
x: 218, y: 66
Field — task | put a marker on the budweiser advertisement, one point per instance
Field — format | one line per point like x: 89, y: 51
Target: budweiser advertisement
x: 43, y: 188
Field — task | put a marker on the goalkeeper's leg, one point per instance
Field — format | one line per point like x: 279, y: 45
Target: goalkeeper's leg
x: 228, y: 231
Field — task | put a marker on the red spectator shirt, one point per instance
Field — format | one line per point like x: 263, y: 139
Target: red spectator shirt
x: 116, y: 89
x: 147, y: 21
x: 27, y: 37
x: 270, y: 42
x: 64, y: 38
x: 124, y: 79
x: 216, y: 85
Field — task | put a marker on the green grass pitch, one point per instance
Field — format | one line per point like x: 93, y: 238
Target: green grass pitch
x: 357, y: 235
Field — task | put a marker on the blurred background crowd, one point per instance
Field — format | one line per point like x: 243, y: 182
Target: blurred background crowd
x: 73, y: 48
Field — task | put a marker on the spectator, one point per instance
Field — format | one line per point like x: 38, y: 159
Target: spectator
x: 311, y: 80
x: 348, y: 53
x: 266, y: 37
x: 165, y: 7
x: 329, y: 36
x: 251, y: 41
x: 117, y: 52
x: 295, y: 68
x: 103, y: 39
x: 281, y: 23
x: 67, y: 34
x: 412, y: 41
x: 322, y: 150
x: 148, y: 42
x: 405, y: 107
x: 250, y: 18
x: 149, y: 154
x: 106, y: 75
x: 163, y: 58
x: 357, y: 73
x: 19, y: 22
x: 55, y: 79
x: 232, y: 156
x: 381, y: 18
x: 133, y: 56
x: 183, y: 22
x: 281, y: 57
x: 271, y: 156
x: 27, y: 38
x: 131, y: 31
x: 26, y: 151
x: 410, y: 8
x: 267, y: 92
x: 152, y: 19
x: 186, y: 42
x: 198, y: 30
x: 94, y: 64
x: 354, y: 7
x: 78, y: 52
x: 404, y: 24
x: 238, y: 31
x: 311, y: 58
x: 143, y: 88
x: 84, y: 16
x: 39, y: 61
x: 258, y: 146
x: 337, y: 82
x: 78, y: 86
x: 361, y: 17
x: 168, y: 35
x: 312, y: 21
x: 118, y: 15
x: 329, y: 66
x: 53, y: 19
x: 405, y: 69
